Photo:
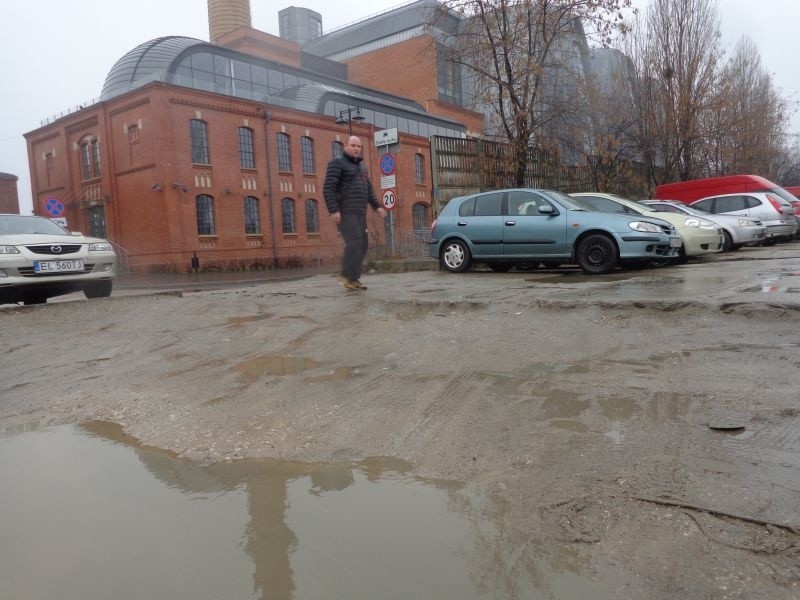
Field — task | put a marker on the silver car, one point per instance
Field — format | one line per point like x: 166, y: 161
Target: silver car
x: 768, y: 207
x: 737, y: 231
x: 39, y: 260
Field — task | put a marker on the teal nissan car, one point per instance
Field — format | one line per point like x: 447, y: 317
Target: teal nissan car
x: 514, y: 227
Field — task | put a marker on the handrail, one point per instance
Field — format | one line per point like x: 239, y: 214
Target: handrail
x: 123, y: 263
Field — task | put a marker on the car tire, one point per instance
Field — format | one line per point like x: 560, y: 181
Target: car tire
x: 727, y: 241
x: 455, y: 256
x: 100, y: 289
x: 500, y: 267
x: 597, y: 254
x: 526, y: 265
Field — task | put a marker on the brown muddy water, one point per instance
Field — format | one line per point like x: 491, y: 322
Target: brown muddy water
x: 90, y: 513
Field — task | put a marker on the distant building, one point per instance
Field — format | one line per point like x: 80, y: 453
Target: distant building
x: 9, y: 197
x: 219, y: 150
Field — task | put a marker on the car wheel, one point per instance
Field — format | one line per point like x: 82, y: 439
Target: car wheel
x: 727, y: 241
x: 597, y: 255
x: 100, y: 289
x: 500, y: 267
x: 455, y: 256
x: 736, y: 247
x: 526, y: 265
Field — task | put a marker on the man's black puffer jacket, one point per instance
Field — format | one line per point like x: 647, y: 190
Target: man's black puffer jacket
x: 347, y: 186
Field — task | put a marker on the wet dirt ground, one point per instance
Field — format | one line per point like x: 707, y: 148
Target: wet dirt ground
x: 646, y: 423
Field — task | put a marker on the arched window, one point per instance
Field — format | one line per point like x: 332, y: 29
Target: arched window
x: 284, y: 153
x: 90, y: 158
x: 288, y: 216
x: 198, y: 131
x: 336, y: 149
x: 420, y: 217
x: 307, y: 151
x: 247, y: 155
x: 204, y: 205
x: 419, y: 168
x: 252, y: 221
x: 133, y: 133
x: 312, y: 216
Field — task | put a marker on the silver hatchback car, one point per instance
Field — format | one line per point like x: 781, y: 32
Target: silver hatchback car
x: 768, y: 207
x: 738, y: 231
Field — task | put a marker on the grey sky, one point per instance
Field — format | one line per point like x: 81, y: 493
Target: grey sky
x: 55, y: 54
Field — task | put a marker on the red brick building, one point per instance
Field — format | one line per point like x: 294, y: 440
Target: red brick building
x: 219, y: 151
x: 9, y: 196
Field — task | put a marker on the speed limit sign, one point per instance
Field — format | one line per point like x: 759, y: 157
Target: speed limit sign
x: 389, y: 199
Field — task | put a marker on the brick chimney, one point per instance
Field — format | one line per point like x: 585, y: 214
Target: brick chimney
x: 225, y: 16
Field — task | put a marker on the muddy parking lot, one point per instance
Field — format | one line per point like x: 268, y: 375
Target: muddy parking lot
x: 641, y: 429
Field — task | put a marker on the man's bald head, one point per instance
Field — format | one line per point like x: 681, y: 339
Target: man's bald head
x: 353, y: 147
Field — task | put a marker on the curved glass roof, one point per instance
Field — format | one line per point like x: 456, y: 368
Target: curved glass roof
x: 147, y: 62
x: 190, y: 62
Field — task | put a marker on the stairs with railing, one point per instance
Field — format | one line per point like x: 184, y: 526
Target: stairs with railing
x: 123, y: 264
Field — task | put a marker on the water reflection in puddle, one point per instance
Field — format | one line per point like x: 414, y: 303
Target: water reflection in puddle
x: 86, y: 511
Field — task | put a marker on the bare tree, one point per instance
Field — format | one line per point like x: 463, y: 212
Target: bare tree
x: 675, y: 49
x: 749, y: 120
x: 525, y: 61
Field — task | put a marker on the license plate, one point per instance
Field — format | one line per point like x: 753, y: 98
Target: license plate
x: 57, y: 266
x: 675, y: 242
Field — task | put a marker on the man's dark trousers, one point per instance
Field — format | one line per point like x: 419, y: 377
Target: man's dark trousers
x: 353, y: 228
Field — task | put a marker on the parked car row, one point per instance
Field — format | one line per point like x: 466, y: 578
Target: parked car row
x: 599, y: 232
x: 39, y: 260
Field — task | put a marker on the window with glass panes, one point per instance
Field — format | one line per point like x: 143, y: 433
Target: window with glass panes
x: 336, y: 149
x: 420, y: 216
x: 90, y: 159
x: 205, y: 215
x: 312, y: 218
x: 198, y: 131
x: 96, y: 217
x: 307, y: 151
x: 419, y: 168
x: 247, y: 156
x: 252, y: 223
x: 288, y: 216
x: 284, y: 153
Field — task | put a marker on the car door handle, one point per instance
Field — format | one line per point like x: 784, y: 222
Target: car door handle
x: 462, y: 223
x: 510, y: 223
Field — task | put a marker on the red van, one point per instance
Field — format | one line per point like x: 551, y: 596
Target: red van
x: 694, y: 189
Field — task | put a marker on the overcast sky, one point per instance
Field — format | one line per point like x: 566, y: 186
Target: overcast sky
x: 55, y: 54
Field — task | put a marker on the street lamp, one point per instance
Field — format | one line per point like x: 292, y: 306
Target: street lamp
x: 348, y: 115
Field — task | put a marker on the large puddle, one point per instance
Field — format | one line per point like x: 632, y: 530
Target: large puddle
x: 91, y: 513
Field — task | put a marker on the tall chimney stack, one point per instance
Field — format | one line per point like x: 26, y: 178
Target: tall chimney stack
x: 225, y: 16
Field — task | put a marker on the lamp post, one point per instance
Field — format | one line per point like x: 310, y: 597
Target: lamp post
x: 348, y: 115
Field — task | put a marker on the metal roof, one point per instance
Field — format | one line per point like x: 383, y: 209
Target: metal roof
x: 145, y: 63
x: 409, y: 16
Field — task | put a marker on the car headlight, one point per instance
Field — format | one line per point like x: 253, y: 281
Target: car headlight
x: 8, y: 250
x: 100, y: 247
x: 701, y: 223
x: 746, y: 223
x: 644, y: 226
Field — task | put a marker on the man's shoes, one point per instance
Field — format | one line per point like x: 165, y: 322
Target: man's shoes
x: 353, y: 285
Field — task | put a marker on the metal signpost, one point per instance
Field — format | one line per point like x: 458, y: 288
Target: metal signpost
x: 388, y: 165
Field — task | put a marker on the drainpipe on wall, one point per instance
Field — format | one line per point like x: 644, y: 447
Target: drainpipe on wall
x: 269, y: 190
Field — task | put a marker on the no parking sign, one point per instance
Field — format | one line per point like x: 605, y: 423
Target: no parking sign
x: 53, y: 207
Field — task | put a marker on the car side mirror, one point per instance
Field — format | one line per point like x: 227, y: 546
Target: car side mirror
x: 547, y: 209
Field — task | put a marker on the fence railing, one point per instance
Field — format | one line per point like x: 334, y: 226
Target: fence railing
x: 123, y: 262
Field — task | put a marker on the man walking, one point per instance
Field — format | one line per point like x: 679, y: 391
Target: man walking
x: 347, y: 192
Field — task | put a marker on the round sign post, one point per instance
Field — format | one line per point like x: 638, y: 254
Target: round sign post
x: 389, y: 199
x: 53, y: 207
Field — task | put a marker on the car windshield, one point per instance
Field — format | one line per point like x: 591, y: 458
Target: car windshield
x: 570, y: 202
x: 21, y: 225
x: 691, y: 210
